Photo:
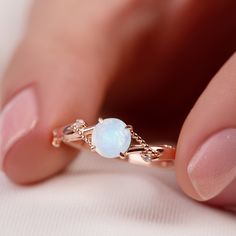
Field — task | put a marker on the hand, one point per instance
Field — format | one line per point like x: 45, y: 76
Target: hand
x: 144, y: 61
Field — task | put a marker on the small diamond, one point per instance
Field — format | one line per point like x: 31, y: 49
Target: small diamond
x: 111, y: 137
x: 77, y: 126
x: 80, y: 123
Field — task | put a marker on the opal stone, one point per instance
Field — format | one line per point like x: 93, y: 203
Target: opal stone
x: 111, y: 137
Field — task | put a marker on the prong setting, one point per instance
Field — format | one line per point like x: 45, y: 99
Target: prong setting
x: 123, y: 156
x: 100, y: 120
x: 130, y: 127
x: 93, y: 148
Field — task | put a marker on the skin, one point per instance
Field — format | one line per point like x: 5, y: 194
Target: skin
x: 163, y: 54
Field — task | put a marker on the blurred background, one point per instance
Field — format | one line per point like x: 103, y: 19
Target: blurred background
x: 166, y: 70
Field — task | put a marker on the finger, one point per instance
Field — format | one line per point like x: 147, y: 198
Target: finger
x: 59, y: 73
x: 206, y: 151
x: 186, y: 41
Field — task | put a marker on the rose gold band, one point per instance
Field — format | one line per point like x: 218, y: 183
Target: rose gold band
x: 165, y: 159
x: 78, y: 135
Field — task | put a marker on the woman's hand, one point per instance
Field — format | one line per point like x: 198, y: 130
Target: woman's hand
x: 147, y: 61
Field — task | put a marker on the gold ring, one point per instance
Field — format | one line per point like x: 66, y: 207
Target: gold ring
x: 112, y: 138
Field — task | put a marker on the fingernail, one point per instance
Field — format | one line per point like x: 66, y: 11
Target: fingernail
x: 17, y: 118
x: 213, y: 167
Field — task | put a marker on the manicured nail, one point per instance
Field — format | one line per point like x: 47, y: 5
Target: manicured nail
x: 17, y: 118
x: 213, y: 167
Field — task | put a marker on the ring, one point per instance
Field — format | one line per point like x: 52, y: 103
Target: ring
x: 112, y: 138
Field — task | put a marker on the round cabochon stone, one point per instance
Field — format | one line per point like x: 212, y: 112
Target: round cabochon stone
x: 111, y: 137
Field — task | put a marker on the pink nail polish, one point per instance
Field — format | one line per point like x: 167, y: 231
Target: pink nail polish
x: 17, y: 118
x: 213, y: 167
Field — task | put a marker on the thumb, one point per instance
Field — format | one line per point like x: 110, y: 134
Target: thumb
x: 206, y: 156
x: 51, y: 81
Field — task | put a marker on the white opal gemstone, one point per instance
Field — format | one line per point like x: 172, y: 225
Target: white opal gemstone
x: 111, y: 137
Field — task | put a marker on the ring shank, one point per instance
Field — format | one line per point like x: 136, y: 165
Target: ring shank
x: 166, y: 158
x: 68, y: 136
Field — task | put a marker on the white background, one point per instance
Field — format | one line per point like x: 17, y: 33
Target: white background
x: 97, y: 196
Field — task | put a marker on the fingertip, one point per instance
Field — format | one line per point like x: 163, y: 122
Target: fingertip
x: 205, y: 160
x: 32, y: 158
